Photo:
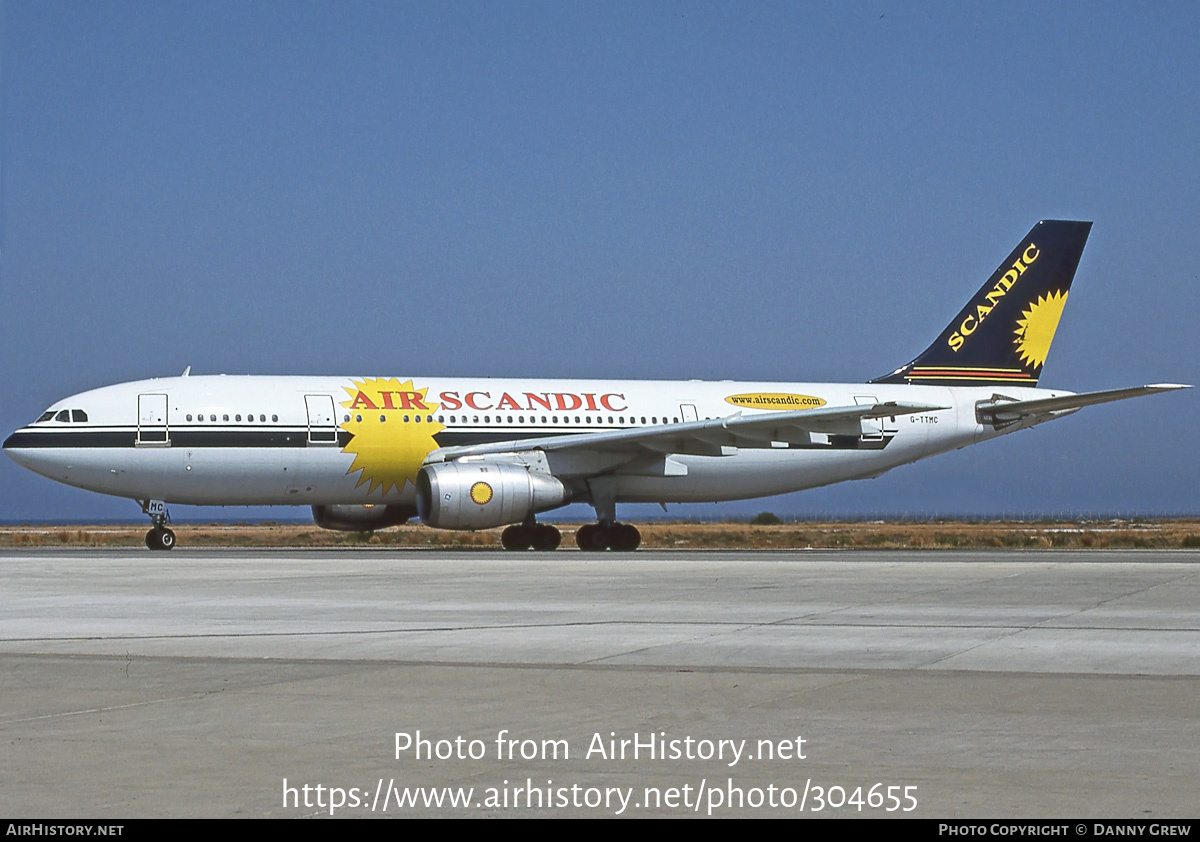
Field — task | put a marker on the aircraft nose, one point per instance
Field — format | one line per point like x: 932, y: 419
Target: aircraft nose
x: 17, y: 448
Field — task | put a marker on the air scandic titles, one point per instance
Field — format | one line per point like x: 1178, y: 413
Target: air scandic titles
x: 476, y: 453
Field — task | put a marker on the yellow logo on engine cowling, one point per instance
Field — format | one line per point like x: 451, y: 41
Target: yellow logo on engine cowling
x: 393, y: 428
x: 481, y: 493
x: 775, y: 400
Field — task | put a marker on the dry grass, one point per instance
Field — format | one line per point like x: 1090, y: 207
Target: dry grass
x: 897, y: 535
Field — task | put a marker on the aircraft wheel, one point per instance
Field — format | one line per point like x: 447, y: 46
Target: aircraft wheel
x: 625, y: 537
x: 160, y: 539
x: 517, y: 537
x: 546, y: 538
x: 591, y: 537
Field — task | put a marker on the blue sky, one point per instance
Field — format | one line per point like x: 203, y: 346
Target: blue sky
x: 783, y: 191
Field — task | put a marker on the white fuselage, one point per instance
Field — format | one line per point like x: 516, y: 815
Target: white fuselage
x: 260, y: 440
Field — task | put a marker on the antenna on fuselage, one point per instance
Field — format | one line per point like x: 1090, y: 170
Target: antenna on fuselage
x: 186, y: 371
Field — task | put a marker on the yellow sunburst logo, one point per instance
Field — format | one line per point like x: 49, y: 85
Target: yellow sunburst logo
x: 481, y: 493
x: 1035, y: 332
x: 393, y: 428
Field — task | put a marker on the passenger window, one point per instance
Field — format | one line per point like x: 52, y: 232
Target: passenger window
x: 225, y: 417
x: 237, y: 418
x: 273, y: 417
x: 212, y: 418
x: 189, y: 417
x: 262, y: 418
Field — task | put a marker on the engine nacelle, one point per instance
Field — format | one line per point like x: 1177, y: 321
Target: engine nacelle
x: 364, y: 518
x: 480, y: 495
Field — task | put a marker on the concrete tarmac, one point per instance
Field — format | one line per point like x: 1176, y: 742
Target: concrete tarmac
x: 213, y: 682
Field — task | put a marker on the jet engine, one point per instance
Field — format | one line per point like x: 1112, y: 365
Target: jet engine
x: 364, y: 518
x: 480, y: 495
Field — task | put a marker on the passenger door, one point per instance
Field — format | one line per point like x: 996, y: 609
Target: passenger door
x: 322, y: 420
x: 152, y: 421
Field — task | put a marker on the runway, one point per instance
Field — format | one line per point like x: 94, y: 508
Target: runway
x: 1032, y: 684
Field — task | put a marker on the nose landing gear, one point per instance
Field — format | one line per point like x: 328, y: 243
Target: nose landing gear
x: 159, y: 537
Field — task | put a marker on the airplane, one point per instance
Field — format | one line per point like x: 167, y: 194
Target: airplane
x: 477, y: 453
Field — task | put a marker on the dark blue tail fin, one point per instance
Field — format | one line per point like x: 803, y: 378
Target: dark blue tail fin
x: 1003, y: 334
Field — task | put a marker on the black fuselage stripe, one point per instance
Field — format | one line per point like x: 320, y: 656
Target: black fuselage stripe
x: 274, y: 437
x: 175, y: 437
x: 299, y: 437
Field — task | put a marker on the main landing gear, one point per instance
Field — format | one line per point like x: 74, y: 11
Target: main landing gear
x: 607, y: 533
x: 159, y: 537
x: 595, y: 537
x: 524, y: 536
x: 591, y: 537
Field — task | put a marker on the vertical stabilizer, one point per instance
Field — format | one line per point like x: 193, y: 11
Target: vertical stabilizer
x: 1004, y: 332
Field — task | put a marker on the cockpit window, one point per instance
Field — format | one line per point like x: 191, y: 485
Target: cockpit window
x: 78, y: 415
x: 63, y: 415
x: 46, y: 416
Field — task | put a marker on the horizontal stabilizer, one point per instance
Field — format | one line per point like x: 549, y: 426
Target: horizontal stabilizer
x: 1003, y: 412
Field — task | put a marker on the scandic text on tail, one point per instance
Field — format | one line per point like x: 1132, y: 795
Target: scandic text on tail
x: 1004, y: 332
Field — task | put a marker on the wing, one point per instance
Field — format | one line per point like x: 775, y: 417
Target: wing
x: 703, y: 438
x: 1000, y: 412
